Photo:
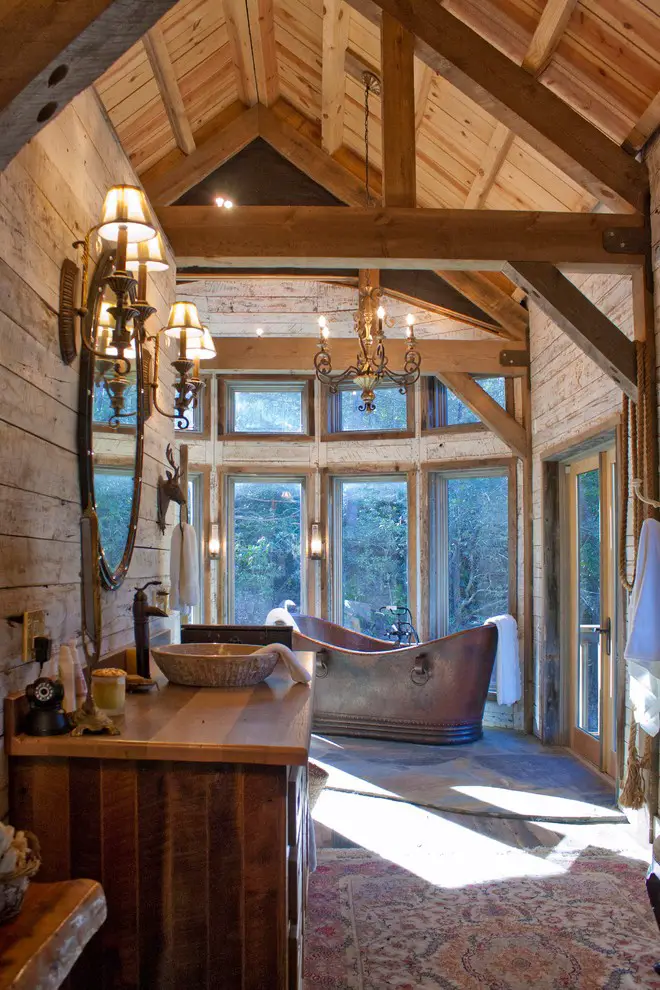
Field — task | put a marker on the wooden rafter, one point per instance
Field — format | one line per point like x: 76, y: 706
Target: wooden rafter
x: 580, y: 319
x: 492, y: 300
x: 398, y: 113
x: 326, y: 236
x: 261, y: 20
x: 490, y: 412
x: 645, y: 127
x: 232, y: 130
x: 336, y: 20
x: 516, y: 99
x: 554, y: 19
x: 240, y: 47
x: 552, y: 23
x: 168, y: 86
x: 486, y: 357
x: 50, y: 51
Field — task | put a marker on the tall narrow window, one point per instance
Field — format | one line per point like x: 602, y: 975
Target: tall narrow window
x: 196, y: 519
x: 265, y: 530
x: 370, y: 550
x: 470, y: 555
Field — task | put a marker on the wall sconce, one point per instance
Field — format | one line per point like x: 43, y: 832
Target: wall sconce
x: 195, y: 345
x: 214, y: 542
x: 316, y: 548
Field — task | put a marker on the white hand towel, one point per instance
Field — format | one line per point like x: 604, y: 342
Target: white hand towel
x: 643, y: 647
x: 184, y: 567
x: 507, y: 661
x: 296, y: 670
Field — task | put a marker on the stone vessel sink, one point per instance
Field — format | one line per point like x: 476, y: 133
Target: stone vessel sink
x: 214, y: 664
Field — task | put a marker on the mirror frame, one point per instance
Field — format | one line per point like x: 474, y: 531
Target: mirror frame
x: 111, y: 579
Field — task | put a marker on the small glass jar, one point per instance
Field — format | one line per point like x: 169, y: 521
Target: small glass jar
x: 109, y: 690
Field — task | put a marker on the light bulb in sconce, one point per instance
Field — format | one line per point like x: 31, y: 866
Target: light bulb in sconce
x: 410, y: 327
x: 323, y: 327
x: 315, y: 541
x: 214, y: 541
x: 380, y: 313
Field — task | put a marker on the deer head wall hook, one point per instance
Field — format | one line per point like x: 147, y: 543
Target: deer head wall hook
x: 169, y: 490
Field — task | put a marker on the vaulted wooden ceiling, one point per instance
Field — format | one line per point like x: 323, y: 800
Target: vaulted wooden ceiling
x: 208, y: 60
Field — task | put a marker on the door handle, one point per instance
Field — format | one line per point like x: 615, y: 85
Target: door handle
x: 606, y: 631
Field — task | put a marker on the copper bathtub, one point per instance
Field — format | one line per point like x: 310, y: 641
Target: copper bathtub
x: 430, y: 693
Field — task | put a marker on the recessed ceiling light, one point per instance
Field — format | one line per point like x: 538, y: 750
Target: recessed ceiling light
x: 260, y: 331
x: 219, y: 200
x: 228, y: 204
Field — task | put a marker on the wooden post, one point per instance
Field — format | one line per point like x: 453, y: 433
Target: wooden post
x: 550, y: 675
x: 398, y: 114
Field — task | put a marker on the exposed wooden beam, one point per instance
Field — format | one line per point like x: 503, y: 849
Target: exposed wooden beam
x: 398, y: 113
x: 423, y: 83
x: 168, y: 86
x: 234, y: 129
x: 428, y: 290
x: 492, y: 300
x: 580, y: 319
x: 50, y: 51
x: 485, y: 357
x: 556, y: 15
x: 516, y: 99
x: 336, y: 19
x: 645, y: 127
x: 488, y: 410
x: 261, y: 19
x: 351, y: 237
x: 496, y: 152
x: 240, y: 47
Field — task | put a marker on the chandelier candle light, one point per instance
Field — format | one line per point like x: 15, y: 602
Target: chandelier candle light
x: 371, y: 368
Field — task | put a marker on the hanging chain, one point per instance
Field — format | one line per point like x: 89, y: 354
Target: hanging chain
x: 371, y: 85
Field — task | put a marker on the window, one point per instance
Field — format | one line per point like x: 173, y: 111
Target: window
x: 271, y: 407
x: 393, y: 412
x: 370, y: 550
x: 113, y: 495
x: 469, y: 549
x: 265, y: 541
x: 443, y: 408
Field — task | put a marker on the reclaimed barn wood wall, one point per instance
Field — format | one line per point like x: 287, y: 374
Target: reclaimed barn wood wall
x: 50, y: 195
x: 571, y: 397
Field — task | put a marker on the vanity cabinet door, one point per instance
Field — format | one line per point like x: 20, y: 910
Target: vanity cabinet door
x: 297, y: 869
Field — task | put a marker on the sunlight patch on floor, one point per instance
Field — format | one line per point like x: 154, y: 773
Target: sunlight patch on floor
x: 442, y: 852
x: 529, y: 803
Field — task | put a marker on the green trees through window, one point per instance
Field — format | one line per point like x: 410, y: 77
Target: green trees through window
x: 390, y: 412
x: 113, y: 494
x: 371, y: 524
x: 266, y: 530
x: 259, y: 409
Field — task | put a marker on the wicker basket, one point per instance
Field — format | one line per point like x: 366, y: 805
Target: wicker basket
x: 14, y: 885
x: 317, y: 778
x: 222, y: 665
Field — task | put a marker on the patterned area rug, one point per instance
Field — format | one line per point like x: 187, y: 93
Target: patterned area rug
x: 372, y: 925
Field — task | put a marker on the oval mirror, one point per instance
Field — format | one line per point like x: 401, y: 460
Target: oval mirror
x: 111, y: 432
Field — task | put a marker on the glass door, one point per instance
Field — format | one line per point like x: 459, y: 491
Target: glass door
x: 592, y: 591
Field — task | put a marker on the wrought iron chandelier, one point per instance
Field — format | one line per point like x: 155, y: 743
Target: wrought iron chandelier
x: 371, y: 367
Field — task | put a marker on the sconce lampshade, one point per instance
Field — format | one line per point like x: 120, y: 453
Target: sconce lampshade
x: 126, y: 206
x: 202, y: 348
x: 214, y: 541
x: 105, y: 324
x: 150, y: 253
x: 184, y: 316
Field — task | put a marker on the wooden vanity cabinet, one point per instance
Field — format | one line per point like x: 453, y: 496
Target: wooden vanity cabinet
x: 203, y: 860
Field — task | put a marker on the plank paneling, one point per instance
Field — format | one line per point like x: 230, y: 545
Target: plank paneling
x: 51, y: 193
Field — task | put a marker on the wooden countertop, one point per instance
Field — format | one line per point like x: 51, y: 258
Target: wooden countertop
x: 268, y: 724
x: 39, y: 947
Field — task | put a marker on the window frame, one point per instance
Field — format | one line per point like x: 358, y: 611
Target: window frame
x: 331, y: 413
x: 227, y: 558
x: 331, y: 507
x: 229, y: 383
x: 434, y: 405
x: 476, y: 468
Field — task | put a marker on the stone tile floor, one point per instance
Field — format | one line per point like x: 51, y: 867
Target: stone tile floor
x: 504, y: 791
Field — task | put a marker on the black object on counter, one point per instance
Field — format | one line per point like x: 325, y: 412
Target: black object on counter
x: 45, y: 716
x: 142, y: 612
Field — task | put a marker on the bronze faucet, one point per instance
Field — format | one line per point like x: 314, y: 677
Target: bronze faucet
x: 142, y: 612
